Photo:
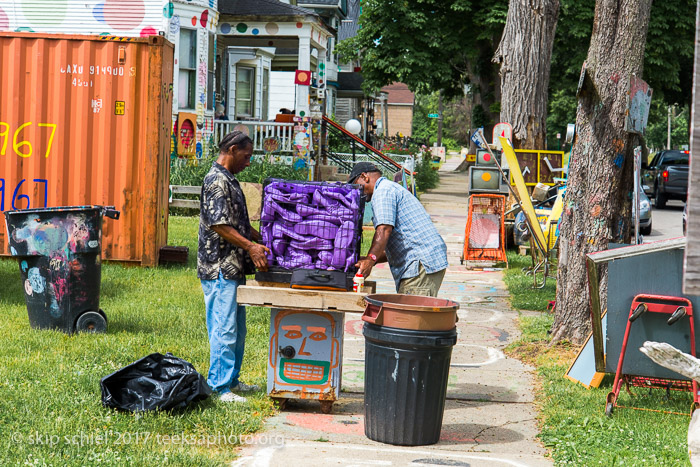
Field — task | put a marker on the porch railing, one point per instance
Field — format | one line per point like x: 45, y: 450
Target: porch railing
x: 259, y: 132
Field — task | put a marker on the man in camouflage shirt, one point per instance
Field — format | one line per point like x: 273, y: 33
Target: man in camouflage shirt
x: 226, y: 254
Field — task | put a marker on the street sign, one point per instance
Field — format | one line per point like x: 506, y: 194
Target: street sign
x: 433, y: 115
x: 478, y: 137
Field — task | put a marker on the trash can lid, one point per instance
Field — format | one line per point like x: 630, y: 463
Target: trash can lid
x: 409, y: 336
x: 412, y: 302
x: 55, y: 209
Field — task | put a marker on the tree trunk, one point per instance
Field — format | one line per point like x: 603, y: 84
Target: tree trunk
x: 525, y: 55
x: 598, y: 206
x: 485, y: 86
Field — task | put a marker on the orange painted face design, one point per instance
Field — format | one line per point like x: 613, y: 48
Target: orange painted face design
x: 309, y: 335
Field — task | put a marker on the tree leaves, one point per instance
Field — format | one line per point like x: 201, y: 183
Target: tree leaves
x: 427, y: 44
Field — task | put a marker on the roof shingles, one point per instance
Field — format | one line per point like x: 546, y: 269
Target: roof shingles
x: 261, y: 8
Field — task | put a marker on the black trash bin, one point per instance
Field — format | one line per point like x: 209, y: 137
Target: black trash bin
x: 59, y: 254
x: 406, y: 375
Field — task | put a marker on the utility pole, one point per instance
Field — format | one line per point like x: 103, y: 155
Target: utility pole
x: 439, y: 135
x: 668, y: 140
x: 385, y: 115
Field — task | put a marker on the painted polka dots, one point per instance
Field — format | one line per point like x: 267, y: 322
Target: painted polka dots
x: 169, y: 10
x: 114, y: 16
x: 225, y: 28
x: 272, y: 28
x: 4, y: 21
x: 241, y: 27
x: 148, y: 31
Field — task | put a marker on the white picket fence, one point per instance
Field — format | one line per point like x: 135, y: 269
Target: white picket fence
x: 259, y: 132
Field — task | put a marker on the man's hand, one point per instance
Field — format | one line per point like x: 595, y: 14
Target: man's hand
x: 364, y: 266
x: 258, y: 253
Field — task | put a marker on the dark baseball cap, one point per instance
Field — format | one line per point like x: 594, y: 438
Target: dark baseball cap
x: 360, y: 168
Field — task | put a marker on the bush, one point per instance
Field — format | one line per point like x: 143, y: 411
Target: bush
x: 259, y: 169
x: 426, y: 177
x: 192, y: 174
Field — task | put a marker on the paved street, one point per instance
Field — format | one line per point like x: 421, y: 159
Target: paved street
x: 489, y: 415
x: 666, y: 223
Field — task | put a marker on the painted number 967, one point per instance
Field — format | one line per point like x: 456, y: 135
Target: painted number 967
x: 19, y: 200
x: 21, y: 146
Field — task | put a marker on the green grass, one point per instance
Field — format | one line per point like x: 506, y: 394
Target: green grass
x: 49, y: 381
x: 523, y: 295
x: 572, y: 419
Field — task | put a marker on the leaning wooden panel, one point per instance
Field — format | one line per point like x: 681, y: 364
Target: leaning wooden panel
x: 691, y: 265
x: 86, y: 120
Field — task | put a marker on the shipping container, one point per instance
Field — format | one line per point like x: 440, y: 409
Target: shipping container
x: 86, y: 120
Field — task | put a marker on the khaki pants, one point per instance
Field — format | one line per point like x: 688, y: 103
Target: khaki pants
x: 423, y: 283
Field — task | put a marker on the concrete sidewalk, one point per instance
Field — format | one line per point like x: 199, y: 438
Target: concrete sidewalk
x: 489, y: 415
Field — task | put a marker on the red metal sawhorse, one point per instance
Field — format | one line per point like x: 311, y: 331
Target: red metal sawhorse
x: 678, y: 308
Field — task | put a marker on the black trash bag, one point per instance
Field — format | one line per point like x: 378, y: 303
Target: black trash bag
x: 154, y: 382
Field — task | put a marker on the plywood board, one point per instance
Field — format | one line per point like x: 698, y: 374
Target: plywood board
x: 582, y: 370
x: 276, y: 297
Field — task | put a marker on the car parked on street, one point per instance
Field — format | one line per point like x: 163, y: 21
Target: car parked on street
x: 644, y: 213
x: 666, y: 177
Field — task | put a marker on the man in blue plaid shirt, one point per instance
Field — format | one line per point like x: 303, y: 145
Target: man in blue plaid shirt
x: 404, y: 235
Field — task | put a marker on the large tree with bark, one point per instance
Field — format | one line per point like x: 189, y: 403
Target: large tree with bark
x: 598, y: 202
x: 525, y: 54
x: 668, y: 59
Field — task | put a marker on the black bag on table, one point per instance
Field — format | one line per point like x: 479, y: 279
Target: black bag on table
x: 156, y: 381
x: 319, y: 279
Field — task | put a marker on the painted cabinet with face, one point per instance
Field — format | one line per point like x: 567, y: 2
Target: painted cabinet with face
x: 305, y: 355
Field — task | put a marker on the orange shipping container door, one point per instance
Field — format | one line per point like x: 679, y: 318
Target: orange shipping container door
x: 86, y: 120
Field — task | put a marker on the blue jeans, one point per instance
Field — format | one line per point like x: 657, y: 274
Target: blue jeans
x: 227, y: 331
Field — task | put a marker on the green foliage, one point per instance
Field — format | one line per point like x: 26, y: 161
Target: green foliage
x: 668, y: 58
x: 562, y: 111
x: 523, y: 295
x: 455, y: 131
x: 429, y: 45
x: 51, y: 381
x: 426, y: 177
x: 450, y: 144
x: 425, y: 128
x: 657, y: 131
x: 260, y: 168
x: 189, y: 173
x: 479, y: 117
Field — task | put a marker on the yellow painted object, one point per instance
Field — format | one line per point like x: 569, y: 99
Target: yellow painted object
x: 523, y: 194
x: 541, y: 166
x: 550, y: 232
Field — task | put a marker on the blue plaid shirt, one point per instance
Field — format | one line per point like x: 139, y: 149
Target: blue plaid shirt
x: 414, y: 238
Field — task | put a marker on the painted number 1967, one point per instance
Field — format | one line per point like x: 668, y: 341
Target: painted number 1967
x: 21, y: 146
x: 19, y: 200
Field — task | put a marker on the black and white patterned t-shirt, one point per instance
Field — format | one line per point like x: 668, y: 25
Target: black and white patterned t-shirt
x: 222, y: 202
